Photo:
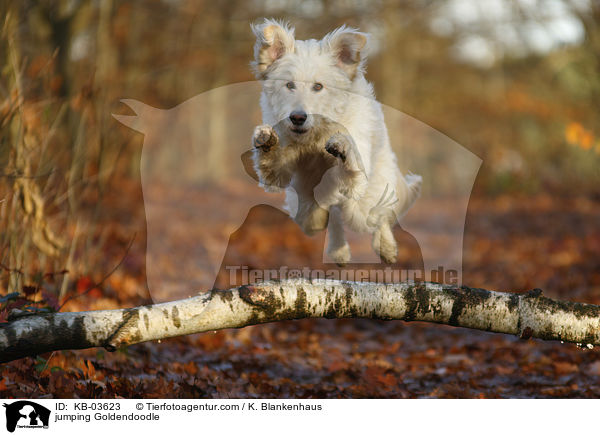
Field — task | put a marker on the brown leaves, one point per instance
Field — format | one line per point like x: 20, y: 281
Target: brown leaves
x: 509, y: 245
x: 431, y: 362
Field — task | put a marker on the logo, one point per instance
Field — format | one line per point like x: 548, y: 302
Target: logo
x: 26, y: 414
x: 197, y: 166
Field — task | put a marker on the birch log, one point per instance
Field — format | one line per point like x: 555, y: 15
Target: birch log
x: 525, y: 315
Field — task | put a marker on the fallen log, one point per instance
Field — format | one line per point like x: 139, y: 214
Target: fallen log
x: 527, y: 315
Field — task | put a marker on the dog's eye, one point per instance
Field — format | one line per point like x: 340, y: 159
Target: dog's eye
x: 290, y: 85
x: 317, y: 87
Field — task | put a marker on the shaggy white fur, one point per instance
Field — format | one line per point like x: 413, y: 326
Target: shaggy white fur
x: 324, y: 139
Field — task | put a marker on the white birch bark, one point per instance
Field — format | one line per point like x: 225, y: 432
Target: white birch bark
x: 525, y: 315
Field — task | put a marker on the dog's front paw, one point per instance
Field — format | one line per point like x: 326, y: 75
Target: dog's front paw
x: 264, y: 137
x: 337, y: 146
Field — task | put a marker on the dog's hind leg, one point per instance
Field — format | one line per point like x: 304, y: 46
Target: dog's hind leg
x: 311, y: 217
x: 384, y: 242
x: 337, y: 248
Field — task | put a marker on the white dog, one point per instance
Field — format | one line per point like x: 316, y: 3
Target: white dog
x: 324, y: 139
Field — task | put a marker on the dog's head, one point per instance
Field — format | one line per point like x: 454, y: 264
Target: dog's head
x: 306, y: 82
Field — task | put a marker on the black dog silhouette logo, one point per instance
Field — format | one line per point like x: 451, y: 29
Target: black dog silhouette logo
x: 26, y: 414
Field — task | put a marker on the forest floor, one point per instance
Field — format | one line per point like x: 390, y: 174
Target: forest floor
x: 511, y: 244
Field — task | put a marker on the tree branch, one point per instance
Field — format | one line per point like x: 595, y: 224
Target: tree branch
x: 525, y: 315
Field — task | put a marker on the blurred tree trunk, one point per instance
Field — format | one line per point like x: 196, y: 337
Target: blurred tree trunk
x: 591, y: 24
x: 216, y: 159
x: 59, y: 15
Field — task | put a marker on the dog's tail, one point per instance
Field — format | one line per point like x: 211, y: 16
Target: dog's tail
x: 413, y: 191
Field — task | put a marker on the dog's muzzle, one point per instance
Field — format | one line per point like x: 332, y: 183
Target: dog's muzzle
x: 298, y: 118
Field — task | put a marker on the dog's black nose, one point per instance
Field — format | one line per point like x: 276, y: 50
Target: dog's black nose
x: 298, y: 118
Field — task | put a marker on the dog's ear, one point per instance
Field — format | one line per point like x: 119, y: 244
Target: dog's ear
x: 348, y: 47
x: 273, y: 40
